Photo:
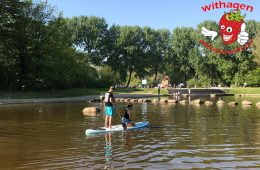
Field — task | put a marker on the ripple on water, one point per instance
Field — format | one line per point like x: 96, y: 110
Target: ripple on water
x: 187, y: 137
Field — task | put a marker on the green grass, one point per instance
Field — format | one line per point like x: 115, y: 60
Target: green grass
x: 73, y: 93
x: 48, y: 94
x: 248, y: 90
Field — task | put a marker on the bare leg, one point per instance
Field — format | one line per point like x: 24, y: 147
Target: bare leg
x: 109, y: 138
x: 110, y: 121
x: 106, y: 123
x: 124, y: 126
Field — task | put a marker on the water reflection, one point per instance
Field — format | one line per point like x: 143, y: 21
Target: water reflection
x: 108, y: 150
x: 246, y: 107
x: 144, y: 108
x: 52, y: 136
x: 175, y: 97
x: 144, y: 111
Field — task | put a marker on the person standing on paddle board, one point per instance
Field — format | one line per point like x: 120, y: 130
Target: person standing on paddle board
x: 109, y: 104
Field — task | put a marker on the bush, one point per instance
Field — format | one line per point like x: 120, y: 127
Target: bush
x: 253, y: 78
x: 108, y: 77
x: 202, y: 81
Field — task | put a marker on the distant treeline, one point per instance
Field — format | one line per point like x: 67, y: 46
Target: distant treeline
x: 40, y: 49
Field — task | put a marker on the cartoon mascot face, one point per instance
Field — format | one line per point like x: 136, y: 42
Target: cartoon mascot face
x: 230, y: 26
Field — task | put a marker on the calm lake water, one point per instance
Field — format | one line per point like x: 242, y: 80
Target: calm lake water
x: 51, y: 136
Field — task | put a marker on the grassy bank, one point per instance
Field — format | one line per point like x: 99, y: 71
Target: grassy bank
x: 248, y: 90
x: 73, y: 93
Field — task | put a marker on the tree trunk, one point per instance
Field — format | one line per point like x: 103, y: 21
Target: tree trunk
x: 212, y: 78
x: 155, y: 78
x: 21, y: 73
x: 130, y: 76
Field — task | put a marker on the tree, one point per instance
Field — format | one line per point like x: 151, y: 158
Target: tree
x: 90, y: 36
x: 253, y: 78
x: 257, y: 44
x: 37, y: 48
x: 10, y: 12
x: 157, y: 50
x: 38, y: 39
x: 127, y: 55
x: 226, y: 69
x: 183, y: 41
x: 207, y: 64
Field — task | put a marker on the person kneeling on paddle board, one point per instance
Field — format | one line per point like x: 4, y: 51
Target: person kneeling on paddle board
x: 126, y: 122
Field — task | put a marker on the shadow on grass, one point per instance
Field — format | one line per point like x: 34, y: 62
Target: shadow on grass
x: 77, y: 92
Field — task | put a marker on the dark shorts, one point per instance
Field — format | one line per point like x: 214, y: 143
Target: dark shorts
x: 126, y: 121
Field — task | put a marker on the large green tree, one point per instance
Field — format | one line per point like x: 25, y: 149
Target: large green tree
x: 157, y: 50
x: 90, y: 35
x: 257, y: 44
x: 183, y: 42
x: 127, y: 55
x: 11, y: 11
x: 36, y: 49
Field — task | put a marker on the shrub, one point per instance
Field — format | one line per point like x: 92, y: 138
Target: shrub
x: 253, y: 78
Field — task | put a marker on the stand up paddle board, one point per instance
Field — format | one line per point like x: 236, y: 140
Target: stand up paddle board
x: 115, y: 128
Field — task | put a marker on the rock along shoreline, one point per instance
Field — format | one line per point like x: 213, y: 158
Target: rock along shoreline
x: 93, y: 97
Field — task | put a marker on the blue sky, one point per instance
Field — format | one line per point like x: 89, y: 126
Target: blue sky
x: 157, y: 14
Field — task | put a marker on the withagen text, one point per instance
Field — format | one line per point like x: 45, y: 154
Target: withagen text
x: 221, y: 4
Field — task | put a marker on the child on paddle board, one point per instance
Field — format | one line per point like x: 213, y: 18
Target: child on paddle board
x: 126, y: 121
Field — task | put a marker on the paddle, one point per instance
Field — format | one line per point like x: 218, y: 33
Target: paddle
x: 118, y: 112
x: 123, y: 124
x: 155, y: 126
